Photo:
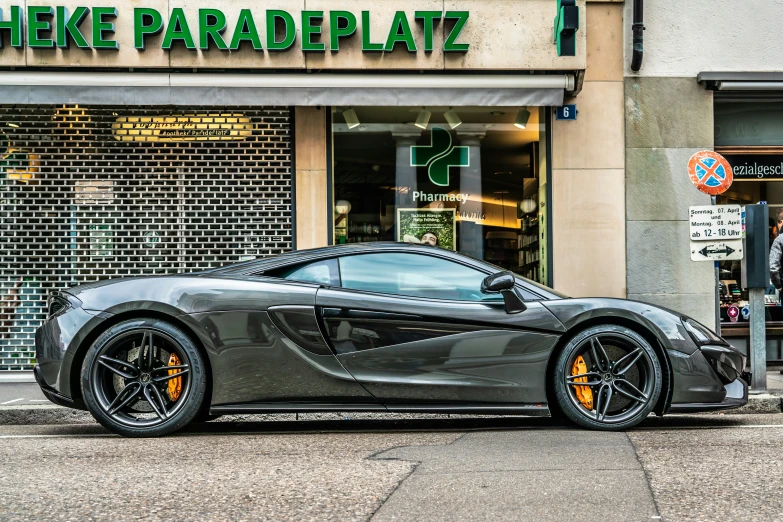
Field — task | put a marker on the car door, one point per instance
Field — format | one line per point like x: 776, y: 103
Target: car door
x: 416, y: 329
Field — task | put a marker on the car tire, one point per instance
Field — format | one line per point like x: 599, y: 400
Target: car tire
x: 125, y: 378
x: 621, y: 396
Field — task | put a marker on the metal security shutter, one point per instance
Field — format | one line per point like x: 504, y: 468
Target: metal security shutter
x: 94, y: 192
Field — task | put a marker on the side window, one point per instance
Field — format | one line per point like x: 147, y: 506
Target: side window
x: 323, y: 272
x: 414, y: 275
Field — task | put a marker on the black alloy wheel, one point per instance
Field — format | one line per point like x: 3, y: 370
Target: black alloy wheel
x: 607, y: 377
x: 143, y: 378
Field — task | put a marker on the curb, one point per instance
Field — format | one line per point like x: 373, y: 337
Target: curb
x: 762, y: 403
x: 53, y: 414
x: 16, y: 377
x: 43, y: 414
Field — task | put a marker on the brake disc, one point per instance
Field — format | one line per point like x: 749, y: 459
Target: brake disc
x: 615, y: 353
x: 140, y: 405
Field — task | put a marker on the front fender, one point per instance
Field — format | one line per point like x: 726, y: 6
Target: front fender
x: 664, y: 324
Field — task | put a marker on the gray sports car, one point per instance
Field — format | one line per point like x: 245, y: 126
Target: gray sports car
x: 375, y: 327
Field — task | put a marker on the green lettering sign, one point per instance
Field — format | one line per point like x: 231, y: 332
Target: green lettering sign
x: 57, y: 26
x: 367, y: 45
x: 342, y: 24
x: 245, y: 31
x: 272, y: 44
x: 178, y: 29
x: 15, y: 24
x: 35, y: 25
x: 311, y: 25
x: 400, y: 32
x: 146, y: 22
x: 428, y: 21
x: 68, y: 27
x: 451, y: 45
x: 211, y: 26
x: 99, y: 27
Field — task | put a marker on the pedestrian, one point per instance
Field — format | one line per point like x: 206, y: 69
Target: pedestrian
x: 776, y: 257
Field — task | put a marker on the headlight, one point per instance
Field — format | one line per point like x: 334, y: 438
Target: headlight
x: 700, y: 333
x: 59, y: 303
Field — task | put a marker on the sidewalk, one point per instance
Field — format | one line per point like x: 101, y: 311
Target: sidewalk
x: 775, y: 380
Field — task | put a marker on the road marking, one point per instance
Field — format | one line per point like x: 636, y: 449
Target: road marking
x: 39, y: 400
x: 64, y: 435
x: 716, y: 427
x: 11, y: 402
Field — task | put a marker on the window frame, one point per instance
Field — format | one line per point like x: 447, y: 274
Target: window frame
x: 297, y: 266
x: 438, y: 299
x: 481, y: 266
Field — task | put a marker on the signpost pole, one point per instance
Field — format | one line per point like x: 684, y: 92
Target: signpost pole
x: 758, y: 340
x: 755, y: 277
x: 714, y: 201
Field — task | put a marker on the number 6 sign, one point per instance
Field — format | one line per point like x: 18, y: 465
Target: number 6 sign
x: 566, y: 112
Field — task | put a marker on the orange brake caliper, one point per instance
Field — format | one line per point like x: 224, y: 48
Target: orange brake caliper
x: 583, y: 393
x: 175, y: 384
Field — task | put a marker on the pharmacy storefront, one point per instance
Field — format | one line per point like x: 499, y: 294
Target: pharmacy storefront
x: 137, y: 139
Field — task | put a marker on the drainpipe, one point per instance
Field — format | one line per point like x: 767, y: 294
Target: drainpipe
x: 638, y: 35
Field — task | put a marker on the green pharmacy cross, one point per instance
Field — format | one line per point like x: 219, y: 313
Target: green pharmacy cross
x: 439, y: 156
x: 566, y: 26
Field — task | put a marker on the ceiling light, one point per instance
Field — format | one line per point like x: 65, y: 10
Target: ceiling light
x: 452, y: 118
x: 14, y: 125
x: 423, y: 119
x: 497, y: 113
x: 342, y: 206
x: 351, y: 119
x: 523, y: 116
x: 527, y: 205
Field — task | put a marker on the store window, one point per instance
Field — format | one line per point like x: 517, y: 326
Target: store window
x: 749, y: 133
x: 469, y: 179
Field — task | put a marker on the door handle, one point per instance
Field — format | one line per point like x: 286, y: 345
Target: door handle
x: 368, y: 314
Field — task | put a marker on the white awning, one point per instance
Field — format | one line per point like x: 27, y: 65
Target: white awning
x: 370, y: 89
x: 741, y: 81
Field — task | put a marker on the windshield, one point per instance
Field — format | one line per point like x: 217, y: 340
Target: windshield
x: 542, y: 289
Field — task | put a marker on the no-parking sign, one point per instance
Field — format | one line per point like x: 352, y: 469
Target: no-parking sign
x: 710, y: 172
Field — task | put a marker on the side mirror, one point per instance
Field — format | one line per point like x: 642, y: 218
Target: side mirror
x: 504, y: 283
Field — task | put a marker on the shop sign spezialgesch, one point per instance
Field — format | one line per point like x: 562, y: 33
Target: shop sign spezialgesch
x: 50, y: 27
x: 756, y: 166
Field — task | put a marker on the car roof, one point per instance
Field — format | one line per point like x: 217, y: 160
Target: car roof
x: 301, y: 256
x: 258, y: 266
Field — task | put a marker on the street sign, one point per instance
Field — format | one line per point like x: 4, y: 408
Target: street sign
x: 718, y: 251
x: 710, y: 172
x: 715, y: 223
x: 566, y: 112
x: 733, y: 313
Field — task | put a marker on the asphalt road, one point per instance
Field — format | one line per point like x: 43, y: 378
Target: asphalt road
x: 716, y: 467
x: 20, y: 394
